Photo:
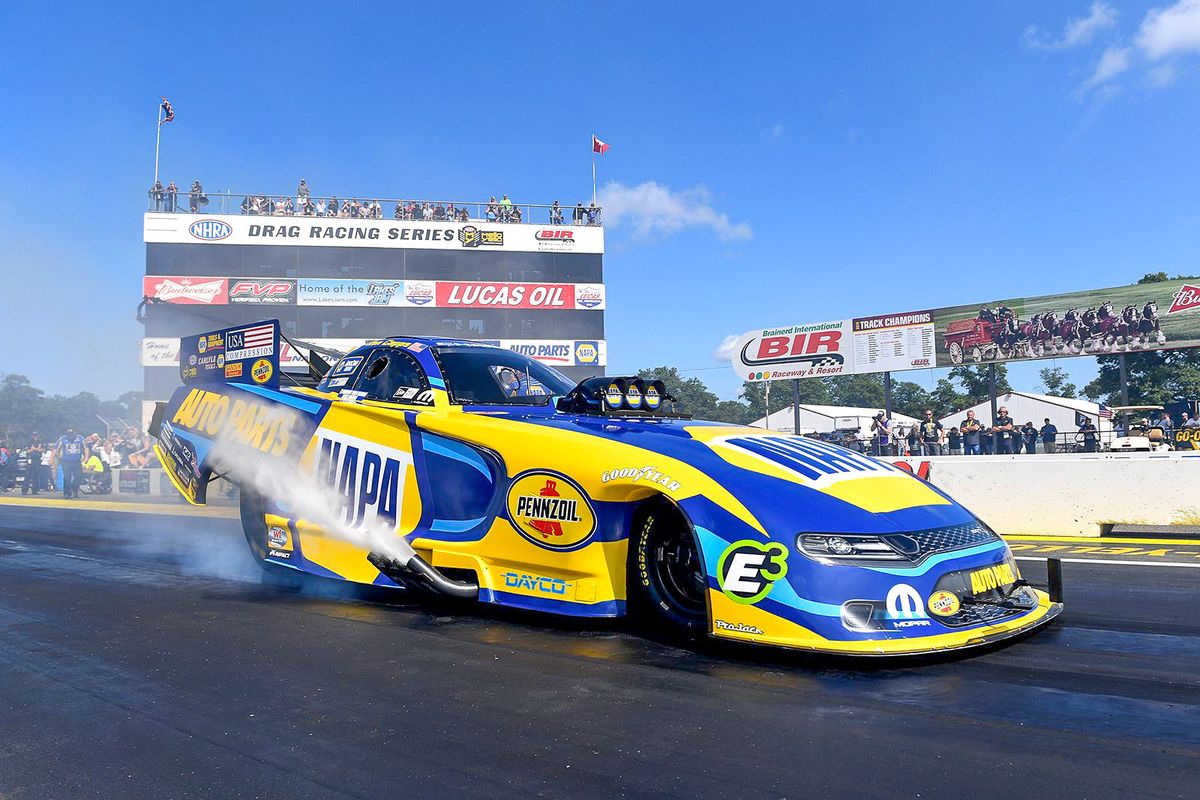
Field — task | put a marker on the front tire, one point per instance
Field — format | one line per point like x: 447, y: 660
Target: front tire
x: 668, y: 583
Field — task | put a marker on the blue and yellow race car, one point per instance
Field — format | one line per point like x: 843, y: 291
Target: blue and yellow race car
x: 488, y: 475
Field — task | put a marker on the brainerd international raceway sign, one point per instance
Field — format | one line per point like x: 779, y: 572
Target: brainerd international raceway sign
x: 1123, y: 319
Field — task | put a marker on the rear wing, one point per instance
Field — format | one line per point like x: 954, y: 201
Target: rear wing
x: 247, y: 354
x: 230, y: 394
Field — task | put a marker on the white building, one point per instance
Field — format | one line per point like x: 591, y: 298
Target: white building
x: 1030, y: 407
x: 826, y: 419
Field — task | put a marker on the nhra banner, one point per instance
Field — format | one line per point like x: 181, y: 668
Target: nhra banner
x: 1124, y: 319
x: 220, y: 229
x: 161, y: 351
x: 374, y: 292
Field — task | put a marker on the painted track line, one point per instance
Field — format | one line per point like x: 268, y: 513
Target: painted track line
x: 117, y: 506
x: 1118, y: 562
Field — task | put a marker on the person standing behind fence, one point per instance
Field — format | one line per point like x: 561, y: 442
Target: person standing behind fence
x: 1049, y: 437
x: 69, y: 449
x: 1030, y: 436
x: 1088, y: 432
x: 172, y: 197
x: 1002, y: 430
x: 954, y: 437
x: 194, y: 196
x: 881, y: 428
x: 931, y: 434
x: 971, y: 432
x: 35, y: 474
x: 156, y: 191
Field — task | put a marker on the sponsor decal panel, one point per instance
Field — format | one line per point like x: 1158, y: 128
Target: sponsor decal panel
x: 186, y: 290
x: 367, y: 476
x: 471, y: 236
x: 538, y: 584
x: 799, y: 351
x: 550, y: 510
x: 996, y: 577
x: 254, y: 342
x: 483, y: 294
x: 352, y: 292
x: 262, y: 291
x: 944, y: 604
x: 262, y: 426
x: 747, y: 569
x: 589, y: 296
x: 894, y: 341
x: 1186, y: 299
x: 210, y: 230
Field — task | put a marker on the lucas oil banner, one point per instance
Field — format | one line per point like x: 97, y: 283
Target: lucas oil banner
x: 1124, y: 319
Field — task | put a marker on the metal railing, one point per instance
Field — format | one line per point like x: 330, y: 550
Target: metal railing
x: 995, y: 444
x: 303, y: 205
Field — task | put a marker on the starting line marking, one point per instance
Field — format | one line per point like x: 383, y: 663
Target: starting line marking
x: 1101, y: 541
x: 1113, y: 561
x: 114, y: 505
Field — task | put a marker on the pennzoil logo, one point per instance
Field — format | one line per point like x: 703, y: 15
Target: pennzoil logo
x: 550, y: 510
x: 261, y: 371
x: 470, y: 236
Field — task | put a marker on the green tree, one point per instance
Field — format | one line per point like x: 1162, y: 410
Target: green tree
x: 946, y: 398
x: 812, y: 391
x: 859, y: 391
x: 974, y: 381
x: 693, y: 396
x: 1054, y: 381
x: 1155, y: 377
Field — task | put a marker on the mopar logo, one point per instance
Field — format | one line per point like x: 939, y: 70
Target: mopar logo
x: 210, y: 230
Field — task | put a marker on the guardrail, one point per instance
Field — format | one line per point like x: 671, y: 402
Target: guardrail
x: 993, y: 444
x: 303, y: 205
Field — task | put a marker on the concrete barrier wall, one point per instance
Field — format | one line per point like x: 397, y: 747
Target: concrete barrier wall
x: 1069, y: 495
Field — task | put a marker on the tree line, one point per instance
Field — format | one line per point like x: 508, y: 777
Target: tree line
x: 24, y: 408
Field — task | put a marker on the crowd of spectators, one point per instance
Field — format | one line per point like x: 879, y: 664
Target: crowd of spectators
x: 1004, y: 436
x: 305, y: 205
x: 34, y: 465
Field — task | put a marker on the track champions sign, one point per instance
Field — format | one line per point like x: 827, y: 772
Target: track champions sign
x: 1122, y: 319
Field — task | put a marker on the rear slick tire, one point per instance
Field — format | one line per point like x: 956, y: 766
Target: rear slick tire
x: 254, y: 526
x: 668, y: 585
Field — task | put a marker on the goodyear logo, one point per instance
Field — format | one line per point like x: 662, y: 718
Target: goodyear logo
x: 210, y: 230
x: 550, y: 510
x: 983, y: 580
x: 264, y: 427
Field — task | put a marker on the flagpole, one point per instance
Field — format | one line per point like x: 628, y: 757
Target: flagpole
x: 157, y: 139
x: 593, y: 169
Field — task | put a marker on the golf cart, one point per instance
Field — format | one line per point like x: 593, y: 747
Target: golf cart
x: 1140, y: 434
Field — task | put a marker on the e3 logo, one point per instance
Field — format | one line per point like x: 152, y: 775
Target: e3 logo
x: 747, y: 569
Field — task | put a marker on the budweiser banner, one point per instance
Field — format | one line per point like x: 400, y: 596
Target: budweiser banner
x: 1124, y: 319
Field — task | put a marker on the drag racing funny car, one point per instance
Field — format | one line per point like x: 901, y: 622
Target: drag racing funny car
x: 465, y: 469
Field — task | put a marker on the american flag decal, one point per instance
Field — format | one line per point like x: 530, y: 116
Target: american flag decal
x: 253, y: 342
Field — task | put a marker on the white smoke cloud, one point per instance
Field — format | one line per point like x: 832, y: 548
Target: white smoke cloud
x: 304, y: 497
x: 653, y: 209
x: 724, y: 351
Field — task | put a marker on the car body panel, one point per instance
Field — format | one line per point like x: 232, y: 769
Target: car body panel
x: 539, y: 504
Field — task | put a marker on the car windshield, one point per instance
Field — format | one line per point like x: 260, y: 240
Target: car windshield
x: 492, y: 376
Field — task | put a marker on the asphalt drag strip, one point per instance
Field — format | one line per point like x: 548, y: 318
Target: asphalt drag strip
x: 141, y: 656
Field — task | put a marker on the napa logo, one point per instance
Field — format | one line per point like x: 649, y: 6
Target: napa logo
x: 210, y: 230
x: 368, y: 478
x: 550, y: 510
x: 587, y: 353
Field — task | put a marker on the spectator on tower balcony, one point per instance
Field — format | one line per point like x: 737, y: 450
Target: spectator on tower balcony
x: 578, y: 215
x: 426, y: 211
x: 451, y: 212
x: 439, y: 212
x: 556, y: 215
x: 515, y: 215
x: 493, y: 210
x: 302, y: 190
x: 172, y: 192
x: 376, y: 210
x: 247, y: 204
x: 319, y: 208
x: 505, y: 203
x: 196, y: 197
x: 464, y: 215
x: 331, y: 208
x: 593, y: 214
x: 156, y: 193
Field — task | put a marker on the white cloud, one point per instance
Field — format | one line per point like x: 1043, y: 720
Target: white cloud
x: 1161, y: 76
x: 654, y: 209
x: 1078, y: 31
x: 1171, y: 30
x: 777, y: 130
x: 724, y: 351
x: 1114, y: 61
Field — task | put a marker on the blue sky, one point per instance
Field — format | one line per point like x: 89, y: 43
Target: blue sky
x: 775, y: 164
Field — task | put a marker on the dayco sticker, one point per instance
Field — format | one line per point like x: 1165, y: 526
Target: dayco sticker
x: 550, y: 510
x: 944, y: 604
x: 748, y: 569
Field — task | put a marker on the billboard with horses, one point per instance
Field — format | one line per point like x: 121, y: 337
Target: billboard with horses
x: 1123, y: 319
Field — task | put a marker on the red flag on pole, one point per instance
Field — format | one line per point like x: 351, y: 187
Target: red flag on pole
x: 598, y: 146
x: 169, y: 112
